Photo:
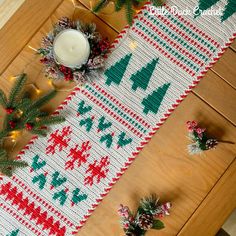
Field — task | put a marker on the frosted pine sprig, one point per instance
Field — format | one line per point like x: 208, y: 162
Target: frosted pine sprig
x: 200, y: 140
x: 146, y: 217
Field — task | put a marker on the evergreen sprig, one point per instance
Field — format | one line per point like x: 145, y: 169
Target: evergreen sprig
x: 128, y: 4
x: 22, y: 112
x: 7, y: 166
x: 146, y: 217
x: 101, y: 4
x: 15, y: 92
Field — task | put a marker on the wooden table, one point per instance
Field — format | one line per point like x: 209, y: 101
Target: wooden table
x: 201, y: 188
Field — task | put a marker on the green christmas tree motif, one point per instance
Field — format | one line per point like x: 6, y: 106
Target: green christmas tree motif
x: 14, y: 233
x: 88, y: 123
x: 123, y: 141
x: 82, y: 109
x: 57, y: 180
x: 61, y: 196
x: 36, y: 164
x: 153, y: 101
x: 142, y: 77
x: 41, y: 179
x: 103, y: 125
x: 204, y: 5
x: 77, y: 197
x: 229, y: 10
x: 116, y: 72
x: 108, y: 139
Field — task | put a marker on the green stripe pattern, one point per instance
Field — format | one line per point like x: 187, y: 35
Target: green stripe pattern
x: 112, y: 106
x: 168, y: 47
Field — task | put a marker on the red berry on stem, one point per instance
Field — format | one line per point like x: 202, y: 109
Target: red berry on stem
x: 28, y: 126
x: 9, y: 110
x: 12, y: 124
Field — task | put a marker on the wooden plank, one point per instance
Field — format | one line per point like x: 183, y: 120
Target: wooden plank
x: 233, y: 45
x: 218, y: 94
x: 211, y: 84
x: 211, y: 210
x: 7, y: 9
x: 23, y: 25
x: 225, y: 67
x: 164, y: 167
x: 29, y: 63
x: 110, y: 19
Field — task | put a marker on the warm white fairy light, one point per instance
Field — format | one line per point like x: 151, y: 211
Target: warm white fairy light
x: 50, y: 82
x: 34, y: 49
x: 133, y: 45
x: 12, y: 78
x: 14, y: 136
x: 38, y: 91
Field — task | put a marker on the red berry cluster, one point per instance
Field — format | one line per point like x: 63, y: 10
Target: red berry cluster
x: 44, y: 60
x: 9, y: 110
x: 104, y: 45
x: 12, y: 124
x: 67, y: 72
x: 100, y: 47
x: 28, y: 126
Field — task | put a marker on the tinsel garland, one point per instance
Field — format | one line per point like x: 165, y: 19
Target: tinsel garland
x: 98, y: 46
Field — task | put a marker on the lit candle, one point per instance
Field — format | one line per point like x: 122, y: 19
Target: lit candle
x: 71, y: 48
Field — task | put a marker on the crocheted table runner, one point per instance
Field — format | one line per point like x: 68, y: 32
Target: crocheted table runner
x: 150, y: 71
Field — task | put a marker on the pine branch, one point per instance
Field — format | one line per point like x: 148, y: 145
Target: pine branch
x: 43, y: 100
x: 3, y: 99
x: 7, y: 166
x: 40, y: 132
x: 24, y: 104
x: 32, y: 115
x: 3, y: 133
x: 157, y: 3
x: 16, y: 89
x: 6, y: 171
x: 101, y: 4
x: 129, y: 11
x: 119, y: 4
x: 3, y: 154
x: 50, y: 121
x: 13, y: 163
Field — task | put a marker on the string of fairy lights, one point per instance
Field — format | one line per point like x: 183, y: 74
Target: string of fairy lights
x: 14, y: 135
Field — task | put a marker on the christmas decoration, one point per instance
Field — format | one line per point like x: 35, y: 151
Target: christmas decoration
x: 130, y: 6
x: 229, y: 8
x: 142, y: 77
x: 14, y: 233
x: 115, y: 119
x: 98, y: 47
x: 7, y: 166
x: 115, y: 72
x: 146, y: 217
x: 22, y: 112
x: 199, y: 138
x: 153, y: 101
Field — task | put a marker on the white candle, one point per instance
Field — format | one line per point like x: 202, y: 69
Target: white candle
x: 71, y: 48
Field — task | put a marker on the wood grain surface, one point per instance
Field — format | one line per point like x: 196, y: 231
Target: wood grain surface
x: 194, y: 184
x: 211, y: 204
x: 7, y: 9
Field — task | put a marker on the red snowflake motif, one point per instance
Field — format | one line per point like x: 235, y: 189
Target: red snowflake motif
x: 97, y: 171
x: 78, y: 154
x: 59, y: 140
